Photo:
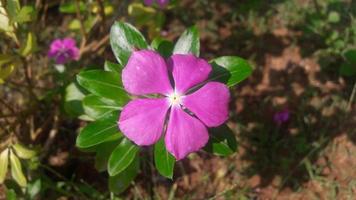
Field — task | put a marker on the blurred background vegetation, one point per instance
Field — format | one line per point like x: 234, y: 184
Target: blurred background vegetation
x: 304, y: 55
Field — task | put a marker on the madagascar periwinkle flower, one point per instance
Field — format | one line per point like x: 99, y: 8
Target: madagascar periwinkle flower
x: 281, y: 117
x: 161, y: 3
x: 63, y: 51
x: 182, y: 113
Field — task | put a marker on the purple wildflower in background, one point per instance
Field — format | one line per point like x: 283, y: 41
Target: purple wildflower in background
x: 281, y: 117
x: 189, y: 113
x: 161, y: 3
x: 63, y: 51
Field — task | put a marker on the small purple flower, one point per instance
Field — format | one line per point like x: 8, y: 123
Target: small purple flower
x: 64, y: 50
x: 281, y: 117
x: 161, y: 3
x: 181, y: 115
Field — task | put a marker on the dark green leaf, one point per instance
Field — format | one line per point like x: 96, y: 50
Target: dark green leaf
x: 164, y: 161
x: 350, y: 56
x: 230, y: 70
x: 188, y: 42
x: 222, y: 141
x: 124, y: 38
x: 100, y: 131
x: 121, y: 157
x: 97, y: 107
x: 112, y: 67
x: 103, y: 152
x: 164, y: 47
x: 73, y: 100
x: 347, y: 69
x: 121, y: 182
x: 104, y: 84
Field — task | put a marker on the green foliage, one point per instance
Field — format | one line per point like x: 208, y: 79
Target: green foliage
x: 164, y: 161
x: 230, y: 70
x: 16, y: 170
x: 121, y: 157
x: 124, y: 38
x: 222, y: 141
x: 4, y: 157
x: 188, y: 42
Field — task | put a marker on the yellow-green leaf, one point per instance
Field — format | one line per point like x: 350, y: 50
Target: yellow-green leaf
x: 4, y: 159
x: 30, y: 45
x: 16, y: 170
x: 5, y: 72
x: 23, y: 152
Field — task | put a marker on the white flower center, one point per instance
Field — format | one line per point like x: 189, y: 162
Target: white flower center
x: 174, y: 99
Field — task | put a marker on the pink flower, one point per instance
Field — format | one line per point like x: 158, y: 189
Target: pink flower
x: 161, y: 3
x: 180, y: 114
x: 64, y: 50
x: 281, y: 117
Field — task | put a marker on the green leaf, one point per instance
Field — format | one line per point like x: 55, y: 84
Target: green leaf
x: 334, y: 17
x: 34, y: 188
x: 347, y: 69
x: 230, y: 70
x: 30, y: 46
x: 11, y: 194
x: 104, y: 84
x: 16, y: 170
x: 164, y: 47
x: 164, y: 161
x: 12, y: 7
x: 100, y: 131
x: 112, y: 67
x: 103, y: 152
x: 23, y: 152
x: 222, y: 141
x: 98, y: 107
x: 73, y: 100
x: 121, y: 157
x: 188, y: 42
x: 124, y: 38
x: 26, y: 14
x: 121, y: 182
x: 4, y: 159
x: 350, y: 56
x: 6, y: 58
x: 70, y: 7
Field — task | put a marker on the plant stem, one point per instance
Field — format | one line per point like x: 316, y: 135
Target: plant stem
x: 352, y: 97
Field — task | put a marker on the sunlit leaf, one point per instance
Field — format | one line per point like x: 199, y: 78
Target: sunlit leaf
x: 70, y: 7
x: 73, y: 100
x: 23, y: 152
x: 16, y: 170
x: 164, y: 161
x: 100, y: 131
x: 104, y: 84
x: 113, y: 67
x: 4, y: 158
x: 30, y: 46
x: 26, y: 14
x: 121, y: 157
x: 230, y: 70
x: 97, y: 107
x: 12, y: 7
x: 124, y: 38
x: 188, y: 43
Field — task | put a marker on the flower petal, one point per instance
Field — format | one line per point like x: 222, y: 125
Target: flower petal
x: 188, y: 71
x: 142, y: 120
x: 68, y: 43
x: 210, y: 103
x: 162, y: 3
x: 185, y: 134
x: 148, y: 2
x: 146, y: 73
